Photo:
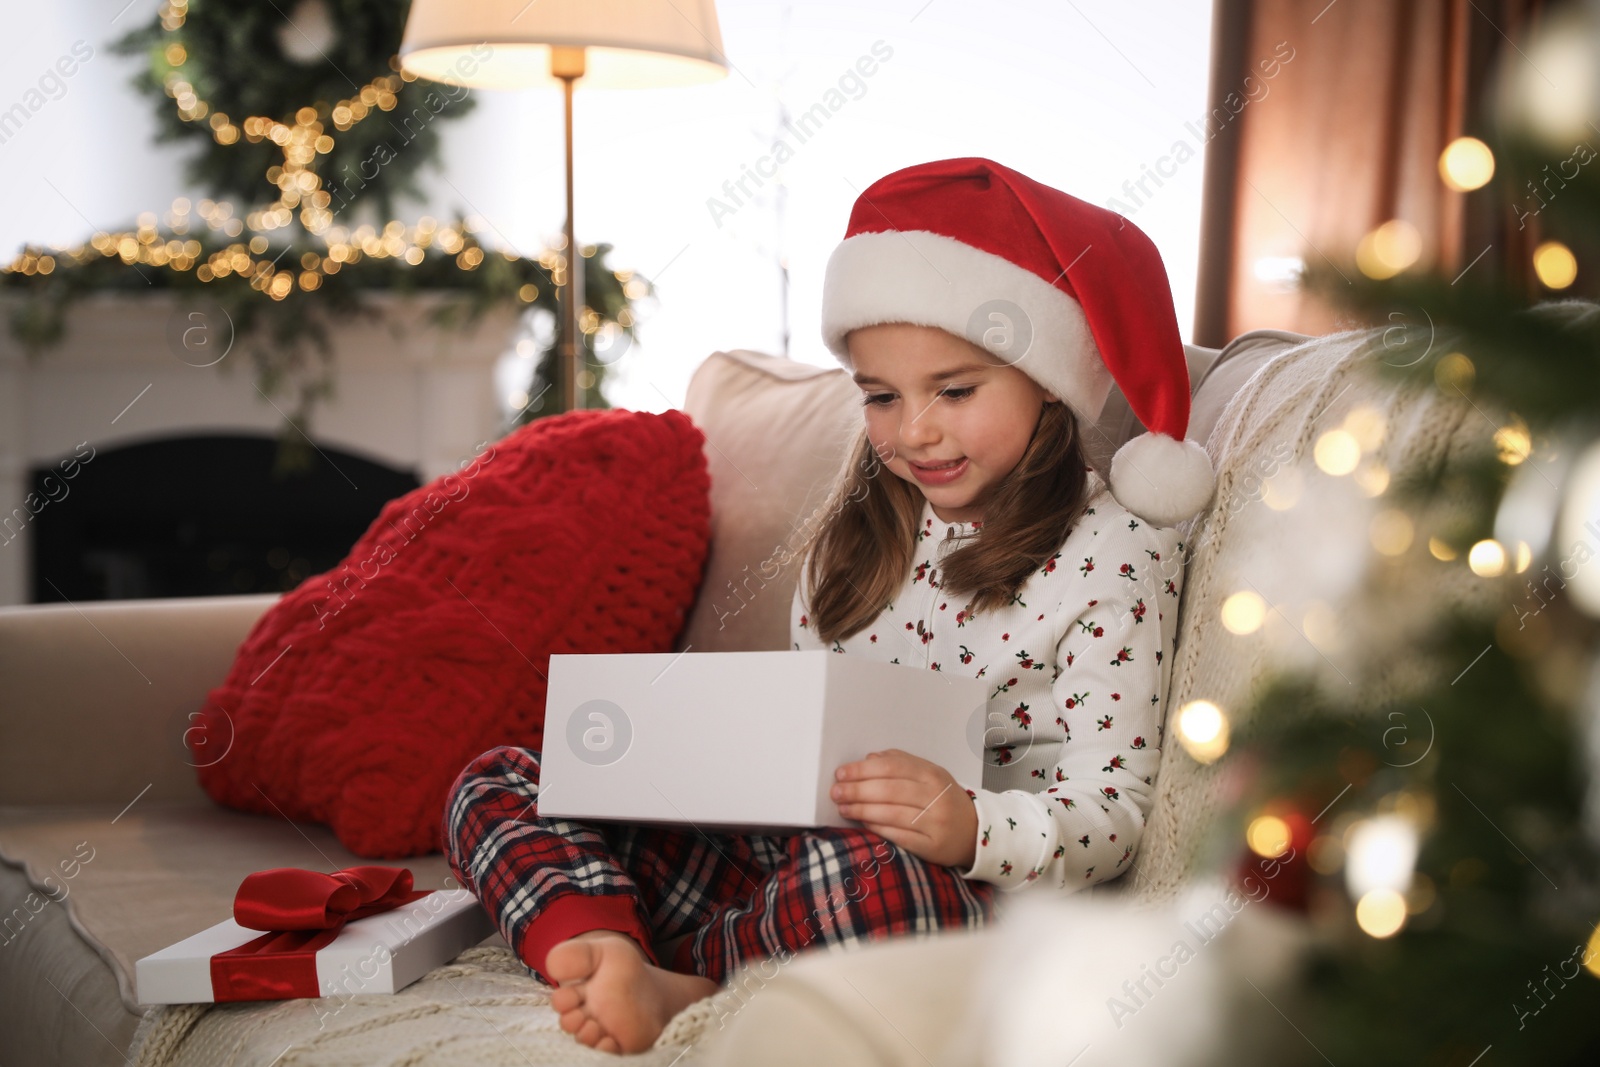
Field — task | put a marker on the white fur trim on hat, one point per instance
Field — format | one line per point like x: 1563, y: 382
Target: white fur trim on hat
x: 928, y: 279
x: 1161, y: 479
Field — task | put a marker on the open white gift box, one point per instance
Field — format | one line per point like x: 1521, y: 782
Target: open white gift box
x: 740, y: 742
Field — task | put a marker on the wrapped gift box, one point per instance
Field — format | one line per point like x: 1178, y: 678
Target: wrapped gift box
x: 740, y: 742
x: 381, y: 953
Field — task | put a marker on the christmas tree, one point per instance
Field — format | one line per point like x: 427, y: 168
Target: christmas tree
x: 1440, y: 791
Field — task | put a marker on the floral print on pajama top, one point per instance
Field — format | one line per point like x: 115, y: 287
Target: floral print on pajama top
x: 1079, y: 662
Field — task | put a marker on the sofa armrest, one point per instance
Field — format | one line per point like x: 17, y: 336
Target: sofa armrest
x: 98, y: 696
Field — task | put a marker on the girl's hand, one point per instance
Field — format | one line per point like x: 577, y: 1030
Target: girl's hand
x: 911, y: 802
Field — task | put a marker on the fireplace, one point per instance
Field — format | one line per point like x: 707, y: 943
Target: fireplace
x: 126, y: 471
x: 197, y: 516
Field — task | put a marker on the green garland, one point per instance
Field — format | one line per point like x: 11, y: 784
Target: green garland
x: 287, y: 340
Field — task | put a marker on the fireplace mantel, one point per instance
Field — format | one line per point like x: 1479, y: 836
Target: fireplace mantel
x: 408, y: 393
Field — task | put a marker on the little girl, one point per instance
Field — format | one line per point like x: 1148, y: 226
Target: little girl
x: 985, y: 317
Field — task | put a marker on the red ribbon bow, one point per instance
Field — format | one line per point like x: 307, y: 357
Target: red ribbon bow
x: 303, y: 912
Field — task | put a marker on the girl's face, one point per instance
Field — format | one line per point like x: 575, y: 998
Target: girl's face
x: 931, y: 397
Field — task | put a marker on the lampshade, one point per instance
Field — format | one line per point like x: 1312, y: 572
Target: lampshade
x: 505, y: 44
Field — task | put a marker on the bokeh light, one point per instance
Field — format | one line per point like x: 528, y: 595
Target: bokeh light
x: 1555, y: 265
x: 1243, y: 612
x: 1466, y: 164
x: 1381, y: 913
x: 1268, y: 836
x: 1391, y: 531
x: 1487, y: 559
x: 1389, y: 249
x: 1203, y: 730
x: 1337, y: 452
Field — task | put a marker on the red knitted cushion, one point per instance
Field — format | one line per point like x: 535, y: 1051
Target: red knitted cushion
x: 358, y: 696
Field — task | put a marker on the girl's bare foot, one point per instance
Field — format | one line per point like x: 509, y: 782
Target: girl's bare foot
x: 611, y: 997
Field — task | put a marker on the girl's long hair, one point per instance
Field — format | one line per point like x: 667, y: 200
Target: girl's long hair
x: 858, y: 556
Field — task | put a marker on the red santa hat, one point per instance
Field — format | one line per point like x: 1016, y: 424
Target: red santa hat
x: 1071, y: 294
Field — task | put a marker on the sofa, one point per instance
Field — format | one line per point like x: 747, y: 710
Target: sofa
x: 110, y: 851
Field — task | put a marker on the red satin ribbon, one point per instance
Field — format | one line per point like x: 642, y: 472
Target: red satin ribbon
x: 303, y: 912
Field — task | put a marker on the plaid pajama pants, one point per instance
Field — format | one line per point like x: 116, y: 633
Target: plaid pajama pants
x: 737, y: 897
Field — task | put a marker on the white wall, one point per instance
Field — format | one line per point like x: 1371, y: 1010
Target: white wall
x: 1080, y: 96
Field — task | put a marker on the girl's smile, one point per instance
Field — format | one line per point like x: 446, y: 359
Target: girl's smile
x: 943, y: 474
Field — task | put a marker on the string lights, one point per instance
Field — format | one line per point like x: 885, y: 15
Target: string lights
x: 210, y: 238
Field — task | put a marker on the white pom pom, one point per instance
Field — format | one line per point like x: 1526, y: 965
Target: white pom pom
x: 1161, y: 479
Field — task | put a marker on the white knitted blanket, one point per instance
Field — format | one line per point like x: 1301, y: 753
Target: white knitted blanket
x: 486, y: 1008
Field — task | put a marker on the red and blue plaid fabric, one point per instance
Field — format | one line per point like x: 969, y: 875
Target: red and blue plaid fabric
x: 738, y: 897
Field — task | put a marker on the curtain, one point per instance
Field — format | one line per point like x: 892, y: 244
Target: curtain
x: 1327, y: 120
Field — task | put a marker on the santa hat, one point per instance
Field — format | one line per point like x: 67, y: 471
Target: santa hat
x: 1071, y: 294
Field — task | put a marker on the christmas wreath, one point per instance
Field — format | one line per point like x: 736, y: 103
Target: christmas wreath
x: 317, y: 82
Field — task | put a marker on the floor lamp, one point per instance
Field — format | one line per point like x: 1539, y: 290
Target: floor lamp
x: 610, y: 44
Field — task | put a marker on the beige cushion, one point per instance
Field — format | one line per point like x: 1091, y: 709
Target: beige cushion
x: 776, y: 431
x: 1226, y: 375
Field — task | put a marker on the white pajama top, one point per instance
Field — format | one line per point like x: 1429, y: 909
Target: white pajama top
x: 1078, y: 661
